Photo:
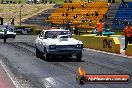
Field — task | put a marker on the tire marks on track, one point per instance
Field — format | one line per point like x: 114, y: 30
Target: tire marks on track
x: 70, y: 64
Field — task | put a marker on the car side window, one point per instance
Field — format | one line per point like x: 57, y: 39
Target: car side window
x: 47, y: 34
x: 41, y: 35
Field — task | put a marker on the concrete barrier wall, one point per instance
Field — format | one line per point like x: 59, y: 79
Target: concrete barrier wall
x: 129, y: 50
x: 104, y: 43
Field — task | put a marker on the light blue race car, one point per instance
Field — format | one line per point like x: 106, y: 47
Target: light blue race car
x: 105, y: 32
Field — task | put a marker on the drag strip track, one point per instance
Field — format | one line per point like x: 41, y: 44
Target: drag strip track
x: 25, y: 47
x: 61, y: 72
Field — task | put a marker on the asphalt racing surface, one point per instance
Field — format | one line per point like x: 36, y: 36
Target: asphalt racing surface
x: 19, y: 56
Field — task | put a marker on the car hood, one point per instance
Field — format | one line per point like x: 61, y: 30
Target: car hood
x: 62, y: 41
x: 10, y: 32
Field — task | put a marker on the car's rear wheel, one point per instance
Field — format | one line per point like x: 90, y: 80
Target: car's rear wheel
x: 38, y: 53
x: 79, y: 56
x: 47, y: 56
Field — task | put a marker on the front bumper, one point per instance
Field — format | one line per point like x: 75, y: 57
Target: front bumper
x: 8, y: 36
x: 64, y: 51
x: 11, y: 35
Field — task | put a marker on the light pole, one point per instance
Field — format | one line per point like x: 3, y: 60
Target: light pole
x: 20, y: 14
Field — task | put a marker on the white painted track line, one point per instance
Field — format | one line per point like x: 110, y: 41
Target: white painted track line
x: 11, y: 76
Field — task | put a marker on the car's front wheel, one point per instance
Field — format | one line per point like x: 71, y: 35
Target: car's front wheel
x: 79, y: 56
x: 13, y: 37
x: 46, y: 55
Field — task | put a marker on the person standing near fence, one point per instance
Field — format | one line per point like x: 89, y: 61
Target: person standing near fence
x: 12, y: 20
x: 100, y: 25
x: 128, y: 35
x: 76, y: 31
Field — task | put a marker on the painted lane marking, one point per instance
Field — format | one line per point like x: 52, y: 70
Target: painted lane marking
x: 10, y: 75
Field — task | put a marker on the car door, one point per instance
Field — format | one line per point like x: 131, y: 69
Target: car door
x: 40, y: 41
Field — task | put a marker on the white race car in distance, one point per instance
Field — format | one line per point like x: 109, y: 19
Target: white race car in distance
x: 57, y: 42
x: 10, y: 33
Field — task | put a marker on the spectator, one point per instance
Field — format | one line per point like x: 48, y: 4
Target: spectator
x: 116, y: 21
x: 52, y: 24
x: 96, y: 14
x: 70, y: 1
x: 12, y: 21
x: 87, y: 14
x: 47, y: 18
x: 92, y: 14
x: 72, y: 8
x: 53, y: 27
x: 125, y: 22
x: 75, y: 16
x: 66, y: 14
x: 128, y: 35
x: 68, y: 24
x: 76, y: 31
x: 90, y: 22
x: 63, y: 14
x: 82, y: 5
x: 105, y: 16
x: 82, y: 20
x: 89, y: 1
x: 67, y: 9
x: 60, y: 6
x: 100, y: 25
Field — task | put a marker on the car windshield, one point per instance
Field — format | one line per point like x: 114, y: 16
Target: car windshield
x: 10, y: 30
x: 2, y: 30
x: 106, y: 29
x: 55, y: 34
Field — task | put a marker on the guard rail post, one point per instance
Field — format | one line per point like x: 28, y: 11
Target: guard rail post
x: 5, y: 35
